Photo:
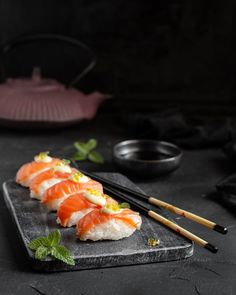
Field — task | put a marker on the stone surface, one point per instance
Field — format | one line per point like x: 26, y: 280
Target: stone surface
x: 34, y: 220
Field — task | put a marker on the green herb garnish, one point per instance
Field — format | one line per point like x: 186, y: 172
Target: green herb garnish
x: 86, y: 150
x: 153, y: 242
x: 66, y: 162
x: 42, y: 155
x: 124, y: 205
x: 44, y: 246
x: 95, y: 157
x: 76, y: 176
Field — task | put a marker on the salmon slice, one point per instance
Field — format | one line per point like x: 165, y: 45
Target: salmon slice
x: 56, y: 194
x: 98, y: 225
x: 29, y: 170
x: 75, y: 207
x: 44, y: 180
x: 74, y: 204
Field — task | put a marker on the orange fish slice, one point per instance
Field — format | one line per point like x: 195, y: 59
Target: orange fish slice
x: 56, y: 194
x: 97, y: 218
x: 29, y: 170
x: 46, y: 179
x: 75, y: 207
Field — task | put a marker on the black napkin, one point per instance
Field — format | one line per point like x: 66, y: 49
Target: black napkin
x: 227, y: 186
x: 227, y: 192
x: 230, y: 150
x: 171, y: 125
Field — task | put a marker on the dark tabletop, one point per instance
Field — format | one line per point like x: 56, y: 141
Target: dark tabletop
x: 190, y: 187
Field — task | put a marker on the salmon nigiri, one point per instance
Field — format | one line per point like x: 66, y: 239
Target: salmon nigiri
x: 78, y: 205
x: 28, y: 171
x: 43, y: 181
x: 76, y: 183
x: 108, y: 223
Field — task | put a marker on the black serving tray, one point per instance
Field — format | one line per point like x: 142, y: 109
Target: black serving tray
x: 33, y: 219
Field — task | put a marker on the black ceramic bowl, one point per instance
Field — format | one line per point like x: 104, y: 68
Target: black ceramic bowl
x: 147, y: 158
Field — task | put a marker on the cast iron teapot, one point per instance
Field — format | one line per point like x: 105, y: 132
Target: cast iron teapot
x: 44, y: 102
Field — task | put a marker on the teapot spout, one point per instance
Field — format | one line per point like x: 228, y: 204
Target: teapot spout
x: 92, y: 103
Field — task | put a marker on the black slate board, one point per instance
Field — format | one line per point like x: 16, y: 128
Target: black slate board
x: 33, y: 220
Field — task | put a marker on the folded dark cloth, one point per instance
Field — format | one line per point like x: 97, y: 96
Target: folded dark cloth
x: 230, y: 150
x: 171, y: 125
x: 227, y: 192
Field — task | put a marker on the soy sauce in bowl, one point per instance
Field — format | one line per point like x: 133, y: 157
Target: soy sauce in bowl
x: 147, y: 158
x: 145, y: 155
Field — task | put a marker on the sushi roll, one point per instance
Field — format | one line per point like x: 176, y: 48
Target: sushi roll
x: 76, y: 183
x: 28, y: 171
x: 43, y: 181
x: 77, y: 206
x: 108, y: 223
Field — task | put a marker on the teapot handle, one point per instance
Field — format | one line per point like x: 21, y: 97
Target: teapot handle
x: 7, y: 47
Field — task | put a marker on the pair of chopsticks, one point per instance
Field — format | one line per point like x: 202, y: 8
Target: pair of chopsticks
x: 121, y: 192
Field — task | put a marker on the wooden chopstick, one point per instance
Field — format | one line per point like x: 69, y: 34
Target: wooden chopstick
x: 180, y: 230
x: 154, y: 201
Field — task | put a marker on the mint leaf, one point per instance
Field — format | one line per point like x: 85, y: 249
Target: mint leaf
x: 36, y: 243
x: 63, y: 254
x: 54, y: 238
x: 43, y: 246
x: 42, y: 252
x: 95, y: 157
x: 124, y: 205
x: 79, y: 156
x: 66, y: 162
x: 91, y: 144
x: 81, y: 148
x: 85, y: 150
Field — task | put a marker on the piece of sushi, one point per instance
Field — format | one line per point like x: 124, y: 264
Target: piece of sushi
x: 43, y: 181
x: 76, y: 183
x: 77, y: 206
x: 28, y: 171
x: 108, y: 223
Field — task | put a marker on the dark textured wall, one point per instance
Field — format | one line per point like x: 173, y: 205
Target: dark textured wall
x: 163, y: 51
